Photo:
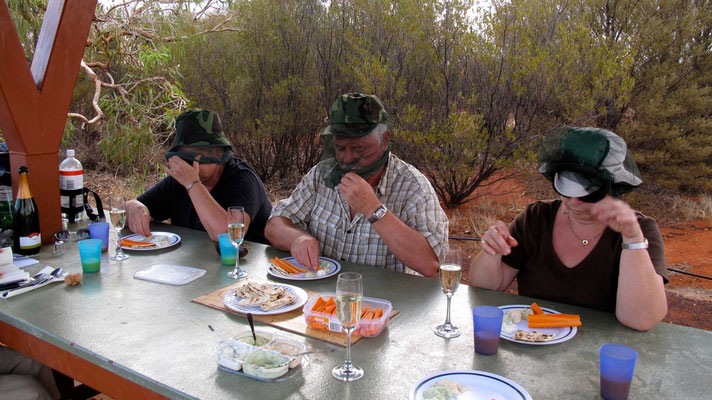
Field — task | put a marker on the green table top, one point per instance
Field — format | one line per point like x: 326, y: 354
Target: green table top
x: 152, y: 334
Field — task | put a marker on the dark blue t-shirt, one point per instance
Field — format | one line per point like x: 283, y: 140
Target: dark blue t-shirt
x: 239, y: 185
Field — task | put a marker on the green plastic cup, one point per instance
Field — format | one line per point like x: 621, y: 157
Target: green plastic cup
x: 90, y: 254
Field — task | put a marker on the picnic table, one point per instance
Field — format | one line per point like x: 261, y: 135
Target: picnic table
x: 133, y: 338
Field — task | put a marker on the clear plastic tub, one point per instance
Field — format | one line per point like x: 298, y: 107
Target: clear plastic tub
x: 329, y: 322
x: 289, y: 348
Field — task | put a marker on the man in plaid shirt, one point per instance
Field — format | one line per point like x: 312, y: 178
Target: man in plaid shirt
x: 364, y: 204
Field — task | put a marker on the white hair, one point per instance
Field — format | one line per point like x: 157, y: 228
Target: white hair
x: 378, y: 131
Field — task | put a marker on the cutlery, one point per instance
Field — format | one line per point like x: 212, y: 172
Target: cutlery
x: 252, y: 326
x: 234, y: 352
x: 23, y: 283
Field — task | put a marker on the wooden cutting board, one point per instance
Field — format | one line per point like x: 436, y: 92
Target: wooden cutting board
x: 292, y: 321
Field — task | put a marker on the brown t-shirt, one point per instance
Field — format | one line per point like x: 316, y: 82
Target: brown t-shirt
x: 593, y: 282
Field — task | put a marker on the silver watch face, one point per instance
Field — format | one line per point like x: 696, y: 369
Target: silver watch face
x: 382, y: 210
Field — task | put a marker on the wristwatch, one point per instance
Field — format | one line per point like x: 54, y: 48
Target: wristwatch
x: 378, y: 214
x: 636, y: 246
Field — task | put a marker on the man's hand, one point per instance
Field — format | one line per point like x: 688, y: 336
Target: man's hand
x: 183, y: 172
x: 620, y: 217
x: 305, y: 250
x: 359, y: 194
x: 138, y: 217
x: 497, y: 241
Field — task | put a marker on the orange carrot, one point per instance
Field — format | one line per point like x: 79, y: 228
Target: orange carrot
x: 318, y: 304
x: 555, y: 324
x: 364, y: 311
x: 284, y: 266
x: 379, y: 313
x: 554, y: 316
x: 294, y: 266
x: 536, y: 309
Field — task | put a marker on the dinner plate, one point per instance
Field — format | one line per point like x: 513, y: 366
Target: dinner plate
x: 479, y: 385
x: 560, y: 334
x: 231, y: 301
x: 334, y: 268
x: 162, y: 240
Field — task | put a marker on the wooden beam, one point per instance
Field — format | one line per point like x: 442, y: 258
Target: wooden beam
x: 34, y: 101
x: 73, y: 366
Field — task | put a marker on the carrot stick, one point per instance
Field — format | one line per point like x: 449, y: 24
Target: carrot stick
x: 379, y: 313
x: 286, y: 266
x: 318, y: 304
x: 536, y: 309
x: 294, y: 266
x: 553, y: 317
x: 554, y: 324
x: 364, y: 311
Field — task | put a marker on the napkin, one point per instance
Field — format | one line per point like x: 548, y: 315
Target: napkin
x: 48, y: 270
x: 10, y: 273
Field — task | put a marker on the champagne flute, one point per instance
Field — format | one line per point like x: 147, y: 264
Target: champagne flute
x: 349, y: 295
x: 450, y: 270
x: 117, y: 214
x: 236, y: 230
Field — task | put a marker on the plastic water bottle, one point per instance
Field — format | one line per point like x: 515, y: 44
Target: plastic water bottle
x: 71, y: 186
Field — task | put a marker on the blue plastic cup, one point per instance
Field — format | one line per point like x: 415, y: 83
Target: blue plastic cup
x: 227, y: 250
x: 617, y: 367
x: 100, y: 230
x: 90, y: 254
x: 488, y: 325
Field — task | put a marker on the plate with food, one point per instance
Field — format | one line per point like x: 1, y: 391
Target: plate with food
x: 288, y: 268
x: 468, y: 385
x: 157, y: 241
x: 537, y: 325
x: 265, y: 298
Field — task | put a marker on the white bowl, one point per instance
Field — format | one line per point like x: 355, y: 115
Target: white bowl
x: 265, y: 364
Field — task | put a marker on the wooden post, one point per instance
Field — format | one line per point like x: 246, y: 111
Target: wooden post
x: 34, y: 100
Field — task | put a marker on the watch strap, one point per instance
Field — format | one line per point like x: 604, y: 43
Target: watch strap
x: 636, y: 246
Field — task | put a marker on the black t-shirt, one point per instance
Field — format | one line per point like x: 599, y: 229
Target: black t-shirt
x: 239, y: 185
x: 593, y: 283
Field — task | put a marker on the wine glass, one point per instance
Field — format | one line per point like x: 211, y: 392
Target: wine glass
x: 349, y: 294
x: 236, y: 230
x: 117, y: 214
x: 450, y: 270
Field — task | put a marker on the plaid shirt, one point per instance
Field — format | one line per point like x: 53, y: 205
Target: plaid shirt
x: 324, y: 213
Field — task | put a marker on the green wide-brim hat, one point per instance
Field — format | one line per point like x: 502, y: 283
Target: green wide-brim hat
x: 199, y: 128
x: 580, y: 161
x: 356, y: 115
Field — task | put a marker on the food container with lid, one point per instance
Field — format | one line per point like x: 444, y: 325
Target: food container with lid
x: 330, y: 322
x: 289, y: 348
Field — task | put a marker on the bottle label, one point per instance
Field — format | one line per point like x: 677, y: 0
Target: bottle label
x: 31, y: 241
x: 70, y: 180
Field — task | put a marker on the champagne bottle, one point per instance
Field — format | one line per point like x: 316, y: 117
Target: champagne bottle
x: 26, y: 218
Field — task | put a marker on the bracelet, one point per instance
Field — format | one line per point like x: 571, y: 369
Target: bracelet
x: 636, y: 246
x: 191, y: 185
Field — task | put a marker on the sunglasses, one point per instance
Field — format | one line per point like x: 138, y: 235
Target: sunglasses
x: 594, y: 197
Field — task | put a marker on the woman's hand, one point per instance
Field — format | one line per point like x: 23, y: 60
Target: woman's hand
x: 620, y: 217
x: 497, y: 241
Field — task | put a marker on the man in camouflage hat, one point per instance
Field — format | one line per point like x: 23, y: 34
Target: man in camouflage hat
x: 362, y: 203
x: 204, y: 180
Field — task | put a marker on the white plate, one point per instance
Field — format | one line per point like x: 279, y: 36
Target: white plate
x: 481, y: 385
x: 334, y: 268
x: 231, y: 301
x: 169, y: 273
x: 167, y: 238
x: 560, y: 334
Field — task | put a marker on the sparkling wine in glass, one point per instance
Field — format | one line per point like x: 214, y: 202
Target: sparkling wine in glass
x: 349, y: 295
x: 236, y: 230
x: 117, y: 215
x: 450, y: 271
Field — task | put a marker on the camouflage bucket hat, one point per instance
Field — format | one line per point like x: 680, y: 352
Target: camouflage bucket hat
x: 199, y: 128
x: 356, y: 115
x: 582, y: 161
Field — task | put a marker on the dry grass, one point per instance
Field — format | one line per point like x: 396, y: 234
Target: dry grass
x: 474, y: 220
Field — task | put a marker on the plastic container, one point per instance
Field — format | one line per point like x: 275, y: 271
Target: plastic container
x: 265, y: 364
x: 231, y: 353
x: 329, y: 322
x: 289, y: 348
x: 246, y: 337
x: 71, y: 185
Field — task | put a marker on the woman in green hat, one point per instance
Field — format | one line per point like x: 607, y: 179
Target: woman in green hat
x: 588, y: 248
